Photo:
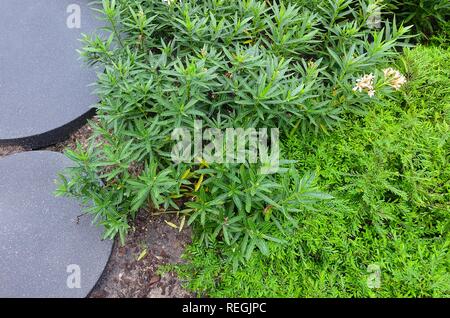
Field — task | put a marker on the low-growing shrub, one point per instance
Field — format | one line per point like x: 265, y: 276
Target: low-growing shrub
x: 428, y: 17
x: 232, y: 64
x: 442, y: 38
x: 390, y: 174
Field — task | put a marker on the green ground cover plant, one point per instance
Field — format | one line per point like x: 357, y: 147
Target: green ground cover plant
x: 231, y: 64
x: 389, y: 171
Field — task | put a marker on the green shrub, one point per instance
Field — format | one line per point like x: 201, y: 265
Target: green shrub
x: 442, y: 38
x: 427, y: 16
x: 390, y: 174
x: 233, y: 64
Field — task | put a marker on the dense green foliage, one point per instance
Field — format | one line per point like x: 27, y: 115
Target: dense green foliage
x: 428, y: 17
x: 390, y: 173
x: 231, y: 64
x: 442, y: 38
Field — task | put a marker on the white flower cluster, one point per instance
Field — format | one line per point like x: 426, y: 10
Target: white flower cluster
x: 365, y: 84
x: 395, y: 78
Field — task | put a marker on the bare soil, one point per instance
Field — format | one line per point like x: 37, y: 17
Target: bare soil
x: 10, y: 150
x: 127, y: 275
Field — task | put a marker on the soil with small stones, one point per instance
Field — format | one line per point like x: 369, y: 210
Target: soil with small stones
x: 132, y: 270
x: 10, y: 150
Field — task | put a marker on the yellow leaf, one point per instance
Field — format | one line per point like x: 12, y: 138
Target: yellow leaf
x: 142, y: 255
x: 203, y: 163
x: 199, y: 183
x: 186, y: 174
x: 183, y: 220
x: 171, y: 224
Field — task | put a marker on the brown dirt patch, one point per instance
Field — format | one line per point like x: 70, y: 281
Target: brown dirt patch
x: 127, y: 276
x: 10, y: 150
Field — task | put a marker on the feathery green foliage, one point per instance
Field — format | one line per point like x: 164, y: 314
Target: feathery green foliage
x: 390, y: 174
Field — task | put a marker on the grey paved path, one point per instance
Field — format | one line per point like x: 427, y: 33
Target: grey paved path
x: 43, y: 82
x: 43, y: 251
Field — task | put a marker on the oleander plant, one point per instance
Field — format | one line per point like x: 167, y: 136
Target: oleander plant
x: 389, y: 172
x: 304, y: 69
x: 429, y: 17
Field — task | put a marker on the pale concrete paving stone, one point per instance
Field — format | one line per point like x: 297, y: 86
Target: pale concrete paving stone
x: 41, y: 235
x: 44, y: 85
